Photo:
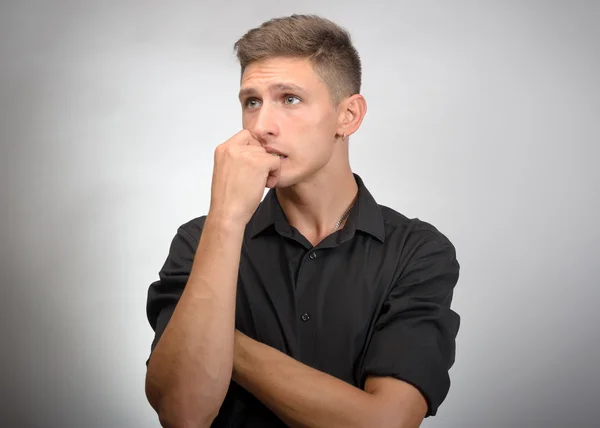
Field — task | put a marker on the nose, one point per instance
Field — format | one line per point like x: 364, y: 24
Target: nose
x: 265, y: 124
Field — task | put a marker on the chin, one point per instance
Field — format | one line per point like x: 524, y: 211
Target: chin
x: 287, y: 180
x: 291, y: 179
x: 282, y: 183
x: 292, y: 176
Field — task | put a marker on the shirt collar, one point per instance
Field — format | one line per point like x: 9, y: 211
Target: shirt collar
x: 365, y: 216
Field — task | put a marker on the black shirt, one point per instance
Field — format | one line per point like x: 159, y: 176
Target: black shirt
x: 371, y: 298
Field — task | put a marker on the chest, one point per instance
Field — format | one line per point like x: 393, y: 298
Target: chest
x: 317, y: 305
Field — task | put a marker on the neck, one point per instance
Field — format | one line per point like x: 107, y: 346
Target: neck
x: 315, y: 206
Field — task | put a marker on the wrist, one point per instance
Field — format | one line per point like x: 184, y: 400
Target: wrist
x: 224, y: 222
x: 241, y: 355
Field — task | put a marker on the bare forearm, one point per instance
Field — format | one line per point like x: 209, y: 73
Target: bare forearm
x: 190, y: 368
x: 299, y: 395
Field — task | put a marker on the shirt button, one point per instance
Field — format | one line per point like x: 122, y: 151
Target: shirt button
x: 313, y: 256
x: 305, y: 317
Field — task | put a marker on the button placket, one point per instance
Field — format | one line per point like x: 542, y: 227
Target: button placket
x: 306, y: 293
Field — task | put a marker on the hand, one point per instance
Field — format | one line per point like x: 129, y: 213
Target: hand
x: 242, y: 170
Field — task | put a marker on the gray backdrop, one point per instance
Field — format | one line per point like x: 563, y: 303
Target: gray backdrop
x: 483, y: 120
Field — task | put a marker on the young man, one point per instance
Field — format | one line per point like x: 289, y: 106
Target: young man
x: 316, y: 307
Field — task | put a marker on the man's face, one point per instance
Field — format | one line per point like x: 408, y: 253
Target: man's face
x: 287, y: 107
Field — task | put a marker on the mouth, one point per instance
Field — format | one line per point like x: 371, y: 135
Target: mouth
x: 276, y: 153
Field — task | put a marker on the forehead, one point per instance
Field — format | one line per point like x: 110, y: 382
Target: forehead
x: 265, y: 72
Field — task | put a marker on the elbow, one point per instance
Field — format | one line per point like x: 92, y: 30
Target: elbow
x: 168, y: 419
x: 173, y: 412
x: 176, y: 415
x: 391, y: 416
x: 383, y: 422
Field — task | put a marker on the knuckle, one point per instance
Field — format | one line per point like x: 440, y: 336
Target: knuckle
x: 230, y: 150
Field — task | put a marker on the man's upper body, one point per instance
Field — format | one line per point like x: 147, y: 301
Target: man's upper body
x: 371, y: 299
x: 289, y: 305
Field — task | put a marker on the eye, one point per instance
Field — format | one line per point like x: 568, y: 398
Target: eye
x: 291, y: 99
x: 252, y: 103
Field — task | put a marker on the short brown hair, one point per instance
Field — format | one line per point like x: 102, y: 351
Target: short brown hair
x: 327, y: 45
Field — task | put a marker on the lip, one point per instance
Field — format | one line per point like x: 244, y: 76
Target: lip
x: 275, y: 152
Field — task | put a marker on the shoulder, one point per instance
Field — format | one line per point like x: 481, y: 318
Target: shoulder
x: 192, y: 229
x: 411, y: 230
x: 185, y: 241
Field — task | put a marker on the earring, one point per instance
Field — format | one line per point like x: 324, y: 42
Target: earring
x: 344, y: 137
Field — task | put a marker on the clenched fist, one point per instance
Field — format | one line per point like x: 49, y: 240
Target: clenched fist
x: 242, y: 170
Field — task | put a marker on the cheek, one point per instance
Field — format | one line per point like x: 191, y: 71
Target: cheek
x: 309, y: 122
x: 245, y: 121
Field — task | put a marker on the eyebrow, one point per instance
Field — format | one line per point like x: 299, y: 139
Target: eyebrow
x: 245, y: 92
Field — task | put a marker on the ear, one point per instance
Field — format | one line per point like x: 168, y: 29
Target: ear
x: 352, y: 110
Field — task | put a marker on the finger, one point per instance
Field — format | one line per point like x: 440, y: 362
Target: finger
x: 274, y: 172
x: 253, y: 141
x: 242, y: 138
x: 272, y: 181
x: 249, y: 138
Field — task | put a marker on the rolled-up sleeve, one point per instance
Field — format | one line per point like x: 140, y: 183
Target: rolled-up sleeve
x: 414, y: 335
x: 164, y: 293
